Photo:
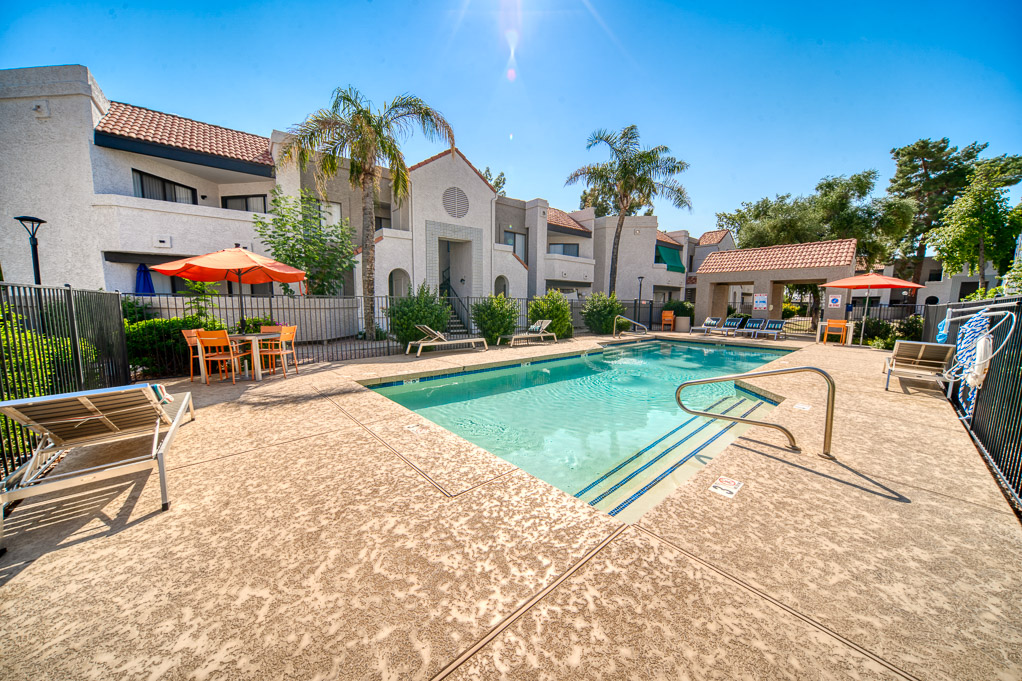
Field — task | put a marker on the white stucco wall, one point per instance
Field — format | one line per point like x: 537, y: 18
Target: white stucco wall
x: 506, y: 264
x: 635, y: 257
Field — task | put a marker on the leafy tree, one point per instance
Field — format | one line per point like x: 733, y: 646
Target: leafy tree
x: 369, y: 138
x: 296, y: 235
x: 201, y: 299
x: 933, y: 174
x: 978, y: 227
x: 632, y: 175
x: 498, y: 182
x: 601, y: 199
x: 599, y: 312
x: 424, y: 306
x: 555, y: 307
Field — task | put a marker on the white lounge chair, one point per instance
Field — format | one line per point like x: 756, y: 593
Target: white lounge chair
x: 433, y: 338
x: 774, y: 327
x: 751, y: 328
x: 925, y: 361
x: 535, y: 332
x: 70, y: 420
x: 710, y: 324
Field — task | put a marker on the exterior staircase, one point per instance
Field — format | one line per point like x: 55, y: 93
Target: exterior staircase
x: 455, y: 327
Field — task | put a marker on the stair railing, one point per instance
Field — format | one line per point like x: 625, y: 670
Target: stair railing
x: 645, y: 329
x: 828, y: 427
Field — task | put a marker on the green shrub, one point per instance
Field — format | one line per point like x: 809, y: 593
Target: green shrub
x: 135, y: 310
x: 731, y: 310
x: 881, y: 343
x: 680, y: 308
x: 495, y: 316
x: 599, y: 311
x: 253, y: 324
x: 911, y: 328
x: 555, y: 307
x: 789, y: 310
x: 156, y: 347
x: 423, y: 306
x: 381, y: 334
x: 741, y: 315
x: 875, y: 328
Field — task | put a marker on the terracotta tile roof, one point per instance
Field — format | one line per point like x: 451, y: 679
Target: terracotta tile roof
x: 666, y: 239
x: 558, y: 217
x: 789, y: 256
x: 454, y: 150
x: 711, y: 238
x: 135, y: 122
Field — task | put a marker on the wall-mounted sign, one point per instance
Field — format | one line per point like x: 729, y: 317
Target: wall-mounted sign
x: 834, y: 300
x: 759, y: 301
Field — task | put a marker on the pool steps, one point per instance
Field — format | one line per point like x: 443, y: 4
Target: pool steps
x: 672, y: 456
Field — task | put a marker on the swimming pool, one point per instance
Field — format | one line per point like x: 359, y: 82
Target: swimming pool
x: 601, y: 426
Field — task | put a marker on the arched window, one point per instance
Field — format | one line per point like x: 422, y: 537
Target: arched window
x: 500, y: 286
x: 932, y: 300
x: 398, y: 283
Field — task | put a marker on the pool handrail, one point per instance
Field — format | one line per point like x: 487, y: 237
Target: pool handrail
x: 831, y: 390
x: 645, y: 329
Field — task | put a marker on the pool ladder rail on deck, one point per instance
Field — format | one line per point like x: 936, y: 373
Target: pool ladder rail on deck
x: 645, y: 329
x: 831, y: 389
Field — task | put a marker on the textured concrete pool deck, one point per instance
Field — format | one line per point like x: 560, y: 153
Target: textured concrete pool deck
x: 319, y: 531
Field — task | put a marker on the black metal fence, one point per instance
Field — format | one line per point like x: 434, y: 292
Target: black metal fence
x: 996, y: 422
x: 888, y: 313
x: 55, y: 340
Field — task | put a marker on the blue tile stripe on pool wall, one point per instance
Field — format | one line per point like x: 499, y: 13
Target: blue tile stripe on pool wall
x: 664, y: 453
x: 642, y: 451
x: 650, y: 485
x: 436, y: 377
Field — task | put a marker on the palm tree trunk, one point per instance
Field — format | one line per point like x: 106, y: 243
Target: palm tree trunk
x: 368, y: 256
x: 614, y: 251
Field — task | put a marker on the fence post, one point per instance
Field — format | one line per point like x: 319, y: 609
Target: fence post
x: 76, y: 346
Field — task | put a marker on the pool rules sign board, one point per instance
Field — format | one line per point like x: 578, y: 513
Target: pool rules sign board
x: 726, y: 487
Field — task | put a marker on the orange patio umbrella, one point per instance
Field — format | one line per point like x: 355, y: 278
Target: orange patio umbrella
x: 870, y: 281
x: 232, y: 264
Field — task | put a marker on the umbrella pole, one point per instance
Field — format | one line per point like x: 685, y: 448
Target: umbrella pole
x: 865, y: 313
x: 241, y: 304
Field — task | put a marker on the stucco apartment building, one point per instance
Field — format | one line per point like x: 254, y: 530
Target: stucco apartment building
x: 123, y: 186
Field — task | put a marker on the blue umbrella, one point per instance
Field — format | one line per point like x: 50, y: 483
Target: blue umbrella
x: 143, y: 281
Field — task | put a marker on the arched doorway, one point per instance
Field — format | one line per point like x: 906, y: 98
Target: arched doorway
x: 398, y: 283
x: 932, y: 300
x: 500, y: 286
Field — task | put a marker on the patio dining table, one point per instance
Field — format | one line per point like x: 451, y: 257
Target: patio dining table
x: 253, y: 338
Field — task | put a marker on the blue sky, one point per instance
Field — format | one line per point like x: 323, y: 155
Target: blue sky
x: 760, y: 98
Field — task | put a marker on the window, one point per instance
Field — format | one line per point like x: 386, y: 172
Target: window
x: 517, y: 242
x: 382, y: 212
x: 331, y: 212
x: 936, y: 274
x: 382, y: 223
x: 151, y: 187
x: 254, y: 203
x: 563, y: 249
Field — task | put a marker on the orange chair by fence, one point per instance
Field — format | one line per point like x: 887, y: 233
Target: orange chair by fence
x: 666, y: 319
x: 192, y: 338
x: 285, y: 345
x: 218, y: 347
x: 832, y: 326
x: 265, y: 344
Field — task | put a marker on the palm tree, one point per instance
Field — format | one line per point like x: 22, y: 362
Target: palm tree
x: 370, y: 139
x: 634, y: 177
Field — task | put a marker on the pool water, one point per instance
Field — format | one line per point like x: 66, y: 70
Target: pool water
x: 571, y: 421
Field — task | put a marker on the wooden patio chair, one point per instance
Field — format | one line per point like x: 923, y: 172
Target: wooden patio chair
x: 192, y: 338
x: 280, y: 347
x: 218, y: 347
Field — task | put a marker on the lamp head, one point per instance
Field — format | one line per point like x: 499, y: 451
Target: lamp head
x: 30, y: 223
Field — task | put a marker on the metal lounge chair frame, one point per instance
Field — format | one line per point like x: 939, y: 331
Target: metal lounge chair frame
x: 924, y: 361
x: 751, y: 328
x: 707, y: 326
x: 70, y: 420
x: 775, y: 327
x: 437, y: 339
x: 535, y: 332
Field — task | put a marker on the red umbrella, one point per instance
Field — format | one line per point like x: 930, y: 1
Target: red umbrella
x: 232, y: 264
x: 870, y: 281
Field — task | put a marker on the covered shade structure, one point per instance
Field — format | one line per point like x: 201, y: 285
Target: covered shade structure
x: 870, y: 281
x: 232, y: 264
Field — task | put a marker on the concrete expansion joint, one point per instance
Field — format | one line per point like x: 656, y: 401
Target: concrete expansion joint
x: 528, y: 605
x: 386, y: 444
x: 779, y: 604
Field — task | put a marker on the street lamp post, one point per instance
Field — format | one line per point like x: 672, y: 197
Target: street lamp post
x: 640, y: 288
x: 31, y: 226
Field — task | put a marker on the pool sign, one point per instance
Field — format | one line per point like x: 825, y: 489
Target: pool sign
x: 759, y: 301
x: 726, y: 487
x: 834, y: 300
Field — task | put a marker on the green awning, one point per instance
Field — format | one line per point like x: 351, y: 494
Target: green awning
x: 671, y: 258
